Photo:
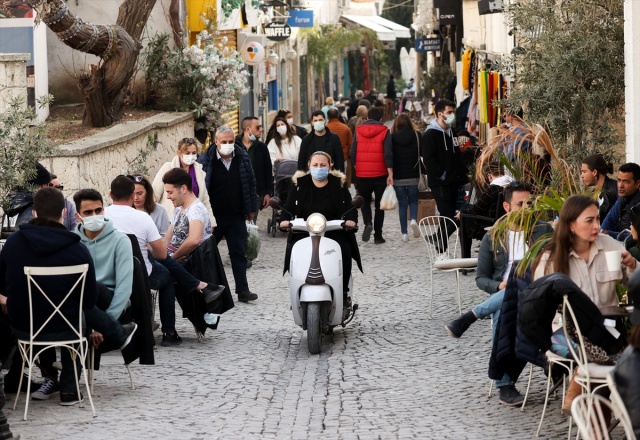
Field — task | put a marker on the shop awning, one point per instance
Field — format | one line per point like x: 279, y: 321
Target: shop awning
x: 386, y: 30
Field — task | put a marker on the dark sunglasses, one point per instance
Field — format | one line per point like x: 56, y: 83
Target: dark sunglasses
x: 60, y: 187
x: 191, y: 141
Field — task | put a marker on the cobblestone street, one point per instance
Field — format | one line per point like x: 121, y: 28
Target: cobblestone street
x: 392, y: 373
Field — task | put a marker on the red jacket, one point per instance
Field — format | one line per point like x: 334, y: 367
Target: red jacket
x: 370, y: 154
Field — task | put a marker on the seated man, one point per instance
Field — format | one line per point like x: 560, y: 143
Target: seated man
x: 110, y: 250
x: 44, y: 241
x: 189, y: 227
x: 617, y: 220
x: 164, y: 270
x: 494, y: 266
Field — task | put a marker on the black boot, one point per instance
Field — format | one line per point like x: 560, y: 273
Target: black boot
x: 460, y: 325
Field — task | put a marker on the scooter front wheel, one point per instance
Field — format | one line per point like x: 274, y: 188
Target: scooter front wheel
x: 314, y: 324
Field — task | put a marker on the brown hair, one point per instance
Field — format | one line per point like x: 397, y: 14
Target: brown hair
x: 188, y: 142
x: 149, y: 202
x: 273, y: 132
x: 597, y: 162
x: 562, y: 242
x: 402, y: 121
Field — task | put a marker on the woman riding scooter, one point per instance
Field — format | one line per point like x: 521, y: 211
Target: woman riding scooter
x: 322, y: 190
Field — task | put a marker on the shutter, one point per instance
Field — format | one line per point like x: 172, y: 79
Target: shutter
x: 232, y: 118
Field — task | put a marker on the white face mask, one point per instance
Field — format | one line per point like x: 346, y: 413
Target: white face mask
x: 189, y: 159
x: 282, y: 129
x: 448, y: 119
x: 93, y: 223
x: 226, y: 149
x: 290, y: 121
x: 318, y: 126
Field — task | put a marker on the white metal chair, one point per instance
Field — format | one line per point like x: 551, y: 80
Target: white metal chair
x: 619, y: 409
x: 588, y: 373
x: 562, y: 362
x: 30, y: 349
x: 587, y: 411
x: 443, y: 251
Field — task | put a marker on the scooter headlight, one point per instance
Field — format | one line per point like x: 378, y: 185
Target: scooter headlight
x: 316, y: 223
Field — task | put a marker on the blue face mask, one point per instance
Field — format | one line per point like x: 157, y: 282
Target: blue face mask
x: 319, y: 173
x: 252, y: 137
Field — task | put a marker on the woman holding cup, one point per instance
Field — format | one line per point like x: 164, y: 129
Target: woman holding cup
x: 594, y: 261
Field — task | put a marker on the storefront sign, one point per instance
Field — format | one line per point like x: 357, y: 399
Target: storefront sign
x: 428, y: 44
x: 302, y: 18
x: 252, y: 53
x: 277, y: 31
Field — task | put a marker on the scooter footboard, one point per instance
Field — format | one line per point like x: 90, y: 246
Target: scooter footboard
x: 309, y: 293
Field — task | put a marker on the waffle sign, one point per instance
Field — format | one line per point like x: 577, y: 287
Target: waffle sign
x: 277, y: 31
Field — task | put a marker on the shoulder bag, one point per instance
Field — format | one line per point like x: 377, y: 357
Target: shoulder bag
x: 422, y: 179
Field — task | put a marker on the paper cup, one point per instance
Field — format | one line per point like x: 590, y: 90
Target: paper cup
x: 614, y: 260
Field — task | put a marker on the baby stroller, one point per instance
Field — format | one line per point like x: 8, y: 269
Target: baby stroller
x: 284, y: 171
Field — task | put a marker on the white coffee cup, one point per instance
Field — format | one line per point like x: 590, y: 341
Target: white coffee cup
x: 614, y: 260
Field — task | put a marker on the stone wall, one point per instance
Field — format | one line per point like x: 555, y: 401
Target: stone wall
x: 13, y: 78
x: 94, y: 161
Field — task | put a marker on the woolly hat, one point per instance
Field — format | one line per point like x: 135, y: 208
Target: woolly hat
x: 42, y: 177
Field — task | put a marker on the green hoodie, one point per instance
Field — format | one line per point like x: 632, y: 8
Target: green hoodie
x: 113, y: 260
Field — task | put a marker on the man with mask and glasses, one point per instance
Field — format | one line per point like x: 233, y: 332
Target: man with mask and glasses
x: 232, y: 190
x: 320, y: 139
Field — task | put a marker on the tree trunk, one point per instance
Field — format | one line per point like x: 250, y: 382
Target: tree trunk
x: 103, y: 88
x: 176, y: 24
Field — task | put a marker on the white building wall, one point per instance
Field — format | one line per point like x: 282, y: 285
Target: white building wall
x: 66, y: 63
x: 473, y: 32
x: 632, y: 79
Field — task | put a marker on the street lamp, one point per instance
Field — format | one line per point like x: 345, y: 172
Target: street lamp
x: 291, y: 54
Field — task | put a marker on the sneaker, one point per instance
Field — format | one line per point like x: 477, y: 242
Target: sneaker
x: 415, y: 229
x: 460, y: 325
x: 129, y: 330
x: 379, y: 240
x: 49, y: 388
x: 212, y: 292
x: 366, y: 235
x: 405, y: 237
x: 510, y: 396
x: 70, y: 399
x: 442, y: 257
x: 170, y: 339
x: 247, y: 296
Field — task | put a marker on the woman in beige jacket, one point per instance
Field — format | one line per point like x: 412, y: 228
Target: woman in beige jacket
x: 188, y: 149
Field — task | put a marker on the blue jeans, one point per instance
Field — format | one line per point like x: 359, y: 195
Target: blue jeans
x: 491, y: 307
x: 234, y: 230
x: 407, y: 197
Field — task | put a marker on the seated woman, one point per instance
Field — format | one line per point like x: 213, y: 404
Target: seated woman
x: 578, y: 250
x: 323, y: 191
x: 143, y: 201
x: 488, y: 204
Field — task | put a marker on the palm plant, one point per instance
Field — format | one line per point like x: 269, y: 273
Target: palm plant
x: 529, y: 156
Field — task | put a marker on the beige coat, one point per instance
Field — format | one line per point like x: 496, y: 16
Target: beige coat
x: 593, y: 277
x: 160, y: 195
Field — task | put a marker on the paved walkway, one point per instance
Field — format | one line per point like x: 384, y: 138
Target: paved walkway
x: 393, y: 373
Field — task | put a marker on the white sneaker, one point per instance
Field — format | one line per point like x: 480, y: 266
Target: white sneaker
x: 405, y: 237
x: 415, y: 229
x: 49, y: 388
x: 442, y: 257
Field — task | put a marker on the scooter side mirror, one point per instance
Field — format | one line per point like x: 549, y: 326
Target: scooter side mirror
x: 357, y: 201
x: 275, y: 202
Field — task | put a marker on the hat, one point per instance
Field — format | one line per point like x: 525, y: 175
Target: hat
x: 42, y: 177
x: 633, y: 294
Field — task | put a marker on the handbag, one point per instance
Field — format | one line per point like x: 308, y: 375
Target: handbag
x: 422, y: 179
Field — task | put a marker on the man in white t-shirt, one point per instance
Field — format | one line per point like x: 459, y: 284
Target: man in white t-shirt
x: 162, y: 269
x: 494, y: 267
x: 191, y: 225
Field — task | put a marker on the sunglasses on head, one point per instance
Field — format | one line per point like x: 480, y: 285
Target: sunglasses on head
x: 191, y: 141
x: 137, y: 179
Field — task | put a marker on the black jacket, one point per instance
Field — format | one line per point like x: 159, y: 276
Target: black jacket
x: 442, y: 157
x: 406, y: 149
x: 329, y: 143
x: 262, y: 168
x: 205, y: 264
x: 625, y: 375
x: 608, y: 195
x: 340, y: 197
x: 540, y: 302
x: 45, y: 243
x: 247, y: 178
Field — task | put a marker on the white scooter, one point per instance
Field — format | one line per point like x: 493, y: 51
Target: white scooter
x: 315, y: 277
